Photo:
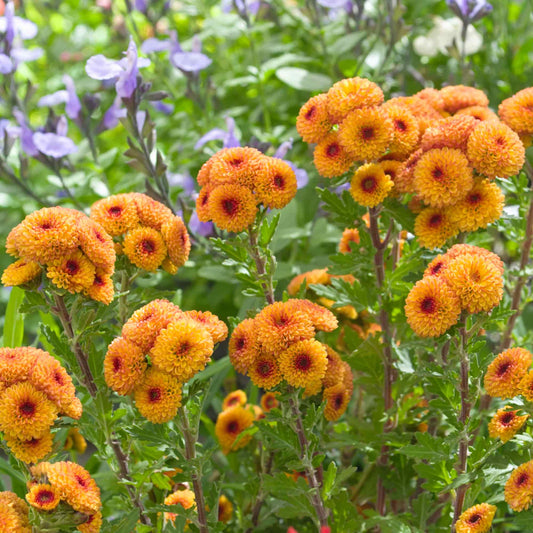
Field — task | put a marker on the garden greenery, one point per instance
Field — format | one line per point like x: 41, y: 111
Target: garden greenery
x: 267, y: 266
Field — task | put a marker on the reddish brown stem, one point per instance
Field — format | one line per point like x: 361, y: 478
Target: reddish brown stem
x: 388, y: 371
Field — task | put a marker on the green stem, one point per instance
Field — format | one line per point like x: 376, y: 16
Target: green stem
x: 123, y: 299
x: 265, y: 278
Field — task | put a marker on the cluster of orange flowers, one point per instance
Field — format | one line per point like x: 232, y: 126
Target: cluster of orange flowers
x: 151, y: 236
x: 466, y: 278
x: 235, y: 181
x: 476, y: 519
x: 517, y: 113
x: 161, y: 348
x: 54, y: 483
x: 237, y: 415
x: 443, y: 147
x: 76, y: 252
x: 14, y: 514
x: 34, y: 389
x: 279, y: 345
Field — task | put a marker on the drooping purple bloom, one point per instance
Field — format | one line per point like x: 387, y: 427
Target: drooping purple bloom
x: 54, y: 145
x: 125, y: 70
x: 163, y: 107
x: 112, y: 115
x: 14, y: 26
x: 200, y: 228
x: 73, y: 107
x: 184, y: 181
x: 6, y: 65
x: 25, y: 55
x: 59, y: 97
x: 26, y: 134
x: 469, y: 11
x: 227, y: 136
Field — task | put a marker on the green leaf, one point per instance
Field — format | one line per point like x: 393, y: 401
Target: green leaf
x: 299, y: 78
x: 14, y: 321
x: 329, y: 479
x: 428, y: 447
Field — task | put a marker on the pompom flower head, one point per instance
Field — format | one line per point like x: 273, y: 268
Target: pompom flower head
x: 313, y: 122
x: 434, y: 226
x: 303, y: 362
x: 505, y: 373
x: 370, y: 185
x: 330, y: 157
x: 506, y: 423
x: 476, y: 519
x: 230, y: 424
x: 519, y: 487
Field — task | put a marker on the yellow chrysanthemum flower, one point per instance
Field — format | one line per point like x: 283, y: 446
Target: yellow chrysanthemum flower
x: 476, y: 281
x: 438, y: 266
x: 151, y: 213
x: 434, y: 226
x: 202, y: 204
x: 277, y: 186
x: 124, y: 366
x: 505, y: 424
x: 452, y: 132
x: 158, y: 397
x: 330, y: 157
x: 264, y: 370
x: 230, y: 424
x: 458, y: 97
x: 116, y: 214
x: 243, y: 345
x: 405, y: 132
x: 517, y: 111
x: 31, y: 450
x: 145, y: 248
x: 269, y: 401
x: 313, y: 121
x: 479, y: 113
x: 321, y: 318
x: 43, y: 496
x: 20, y: 272
x: 350, y: 236
x: 13, y: 514
x: 182, y: 349
x: 243, y: 166
x: 177, y: 240
x: 317, y: 276
x: 519, y: 487
x: 303, y: 362
x: 476, y: 519
x: 337, y: 399
x: 504, y: 374
x: 216, y: 328
x: 73, y: 272
x: 102, y: 288
x: 92, y: 525
x: 370, y: 185
x: 525, y: 387
x: 431, y: 307
x: 334, y: 370
x: 237, y: 397
x: 467, y: 249
x: 232, y: 207
x: 97, y: 245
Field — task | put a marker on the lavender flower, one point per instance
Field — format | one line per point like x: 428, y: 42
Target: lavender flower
x: 14, y: 26
x: 55, y: 144
x: 6, y: 65
x: 67, y: 96
x: 200, y: 228
x: 469, y: 11
x: 244, y: 7
x: 183, y: 181
x: 125, y: 70
x: 112, y: 115
x: 227, y: 136
x: 25, y: 133
x: 188, y: 62
x: 167, y: 109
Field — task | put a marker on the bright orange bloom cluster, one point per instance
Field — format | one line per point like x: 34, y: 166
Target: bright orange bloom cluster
x: 506, y: 423
x: 507, y: 376
x: 236, y: 416
x: 14, y: 517
x: 151, y: 236
x: 517, y: 113
x: 466, y: 278
x: 177, y: 343
x: 34, y: 390
x: 236, y: 180
x: 519, y: 487
x: 75, y: 251
x: 53, y: 483
x: 477, y: 519
x: 184, y: 497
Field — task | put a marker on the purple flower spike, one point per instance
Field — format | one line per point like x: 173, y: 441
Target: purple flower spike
x: 6, y: 66
x: 54, y: 145
x: 73, y: 107
x: 469, y: 11
x: 59, y: 97
x: 100, y: 67
x: 112, y: 115
x: 26, y: 135
x: 228, y: 136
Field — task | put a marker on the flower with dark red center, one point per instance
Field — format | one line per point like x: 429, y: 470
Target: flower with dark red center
x: 477, y: 519
x: 504, y: 374
x: 43, y: 496
x: 303, y: 362
x: 370, y: 185
x: 230, y: 424
x: 330, y: 158
x: 519, y: 487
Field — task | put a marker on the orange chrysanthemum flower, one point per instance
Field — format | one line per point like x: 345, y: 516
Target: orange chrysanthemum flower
x: 102, y: 288
x: 124, y: 366
x: 74, y: 484
x: 349, y: 237
x: 303, y: 362
x: 477, y: 519
x: 405, y: 132
x: 269, y: 401
x: 151, y: 213
x: 203, y: 174
x: 318, y: 276
x: 237, y: 397
x: 177, y: 240
x: 92, y: 525
x: 243, y: 345
x: 242, y: 166
x: 313, y: 121
x: 505, y: 424
x: 392, y: 168
x: 433, y: 227
x: 321, y: 318
x: 525, y: 386
x: 225, y: 509
x: 232, y: 207
x: 73, y: 272
x: 264, y: 370
x: 44, y: 236
x: 13, y: 514
x: 494, y: 149
x: 145, y: 248
x: 431, y: 307
x: 517, y: 111
x: 330, y: 157
x: 31, y: 450
x: 442, y: 177
x: 230, y: 424
x: 337, y: 399
x: 366, y: 133
x: 158, y: 397
x: 97, y: 245
x: 438, y: 266
x: 182, y: 349
x: 349, y: 94
x: 183, y: 497
x: 452, y: 132
x: 25, y: 412
x: 460, y: 96
x: 479, y: 113
x: 482, y: 205
x: 476, y: 281
x: 16, y: 364
x: 43, y: 496
x: 519, y: 487
x: 432, y: 97
x: 281, y: 324
x: 116, y: 214
x: 146, y: 323
x: 215, y: 327
x: 277, y: 186
x: 467, y: 249
x: 370, y: 185
x: 504, y: 374
x: 312, y: 388
x: 21, y: 272
x: 202, y: 204
x: 334, y: 370
x: 405, y: 176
